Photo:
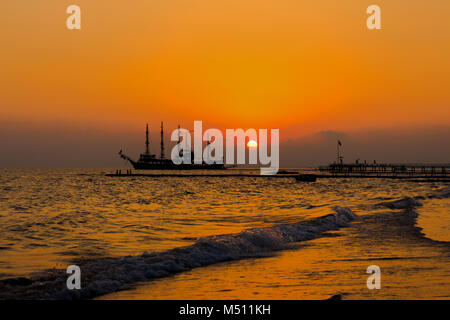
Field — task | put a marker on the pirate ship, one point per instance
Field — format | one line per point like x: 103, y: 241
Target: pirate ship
x: 148, y: 161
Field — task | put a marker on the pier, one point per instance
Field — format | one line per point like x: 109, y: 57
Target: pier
x: 188, y: 174
x: 426, y: 174
x: 339, y: 169
x: 364, y: 170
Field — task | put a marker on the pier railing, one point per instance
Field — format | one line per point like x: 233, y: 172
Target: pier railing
x: 392, y: 170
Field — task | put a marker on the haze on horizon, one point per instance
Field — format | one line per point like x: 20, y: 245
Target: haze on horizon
x: 310, y: 68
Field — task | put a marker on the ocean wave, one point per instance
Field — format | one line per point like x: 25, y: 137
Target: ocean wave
x: 411, y: 202
x: 442, y: 194
x: 405, y: 203
x: 410, y: 205
x: 108, y: 275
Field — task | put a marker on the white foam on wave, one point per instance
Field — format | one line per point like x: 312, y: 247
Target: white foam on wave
x: 109, y: 275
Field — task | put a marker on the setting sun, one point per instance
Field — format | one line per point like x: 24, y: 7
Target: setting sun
x: 252, y: 144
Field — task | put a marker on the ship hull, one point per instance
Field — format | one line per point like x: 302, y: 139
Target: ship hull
x: 169, y: 165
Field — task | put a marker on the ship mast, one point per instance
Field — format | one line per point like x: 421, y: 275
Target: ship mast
x: 180, y: 152
x: 147, y: 147
x: 339, y: 157
x: 208, y: 143
x: 162, y: 141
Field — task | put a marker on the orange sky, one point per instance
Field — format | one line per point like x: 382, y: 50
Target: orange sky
x: 301, y: 66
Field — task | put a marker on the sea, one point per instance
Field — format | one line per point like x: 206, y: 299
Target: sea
x: 206, y: 237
